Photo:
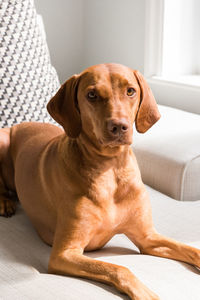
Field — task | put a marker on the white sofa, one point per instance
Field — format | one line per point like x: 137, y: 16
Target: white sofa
x: 24, y: 257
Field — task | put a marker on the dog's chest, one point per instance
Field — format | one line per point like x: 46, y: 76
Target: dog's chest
x: 111, y: 186
x: 110, y: 194
x: 111, y: 220
x: 103, y: 186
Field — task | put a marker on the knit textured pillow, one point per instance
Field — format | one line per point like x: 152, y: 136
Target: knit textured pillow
x: 27, y: 78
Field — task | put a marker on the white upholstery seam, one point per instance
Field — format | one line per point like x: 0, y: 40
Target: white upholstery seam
x: 183, y: 176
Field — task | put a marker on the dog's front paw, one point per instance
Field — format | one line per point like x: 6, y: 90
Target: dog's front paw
x: 145, y: 294
x: 7, y: 207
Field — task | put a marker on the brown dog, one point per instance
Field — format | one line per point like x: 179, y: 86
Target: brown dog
x: 82, y: 186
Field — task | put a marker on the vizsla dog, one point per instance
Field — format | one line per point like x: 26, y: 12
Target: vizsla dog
x: 81, y: 186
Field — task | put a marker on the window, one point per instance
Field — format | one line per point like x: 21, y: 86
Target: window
x: 181, y: 40
x: 172, y: 57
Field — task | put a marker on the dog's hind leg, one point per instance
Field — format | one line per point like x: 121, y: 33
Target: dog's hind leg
x: 7, y: 204
x: 7, y: 197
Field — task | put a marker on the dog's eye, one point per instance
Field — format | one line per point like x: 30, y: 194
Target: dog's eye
x: 130, y: 92
x: 92, y: 95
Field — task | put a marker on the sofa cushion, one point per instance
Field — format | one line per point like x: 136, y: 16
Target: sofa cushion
x: 24, y: 258
x: 28, y: 80
x: 169, y: 154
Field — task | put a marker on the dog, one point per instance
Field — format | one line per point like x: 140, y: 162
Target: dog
x: 80, y: 186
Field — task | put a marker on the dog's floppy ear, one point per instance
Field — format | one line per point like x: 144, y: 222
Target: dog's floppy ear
x: 148, y: 113
x: 63, y: 107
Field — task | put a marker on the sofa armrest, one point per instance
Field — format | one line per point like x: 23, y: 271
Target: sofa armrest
x: 169, y: 154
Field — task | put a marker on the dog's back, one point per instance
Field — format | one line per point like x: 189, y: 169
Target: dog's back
x: 26, y: 135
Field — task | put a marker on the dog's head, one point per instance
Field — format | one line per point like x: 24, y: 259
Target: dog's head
x: 103, y: 102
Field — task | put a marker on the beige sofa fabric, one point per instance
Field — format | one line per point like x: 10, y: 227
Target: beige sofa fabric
x: 169, y: 154
x: 24, y: 258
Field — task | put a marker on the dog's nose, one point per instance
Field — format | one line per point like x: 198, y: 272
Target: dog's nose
x: 117, y: 127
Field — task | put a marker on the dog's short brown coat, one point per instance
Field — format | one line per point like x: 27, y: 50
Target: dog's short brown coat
x: 82, y: 186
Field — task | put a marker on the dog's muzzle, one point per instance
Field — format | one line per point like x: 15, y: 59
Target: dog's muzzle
x: 117, y: 128
x: 117, y: 132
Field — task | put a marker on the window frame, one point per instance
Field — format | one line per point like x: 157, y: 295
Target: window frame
x: 174, y: 92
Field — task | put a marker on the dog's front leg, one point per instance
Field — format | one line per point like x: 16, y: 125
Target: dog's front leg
x: 67, y: 259
x: 141, y: 231
x: 159, y: 245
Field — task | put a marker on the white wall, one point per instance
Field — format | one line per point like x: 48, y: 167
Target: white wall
x: 114, y: 32
x: 81, y: 33
x: 63, y: 21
